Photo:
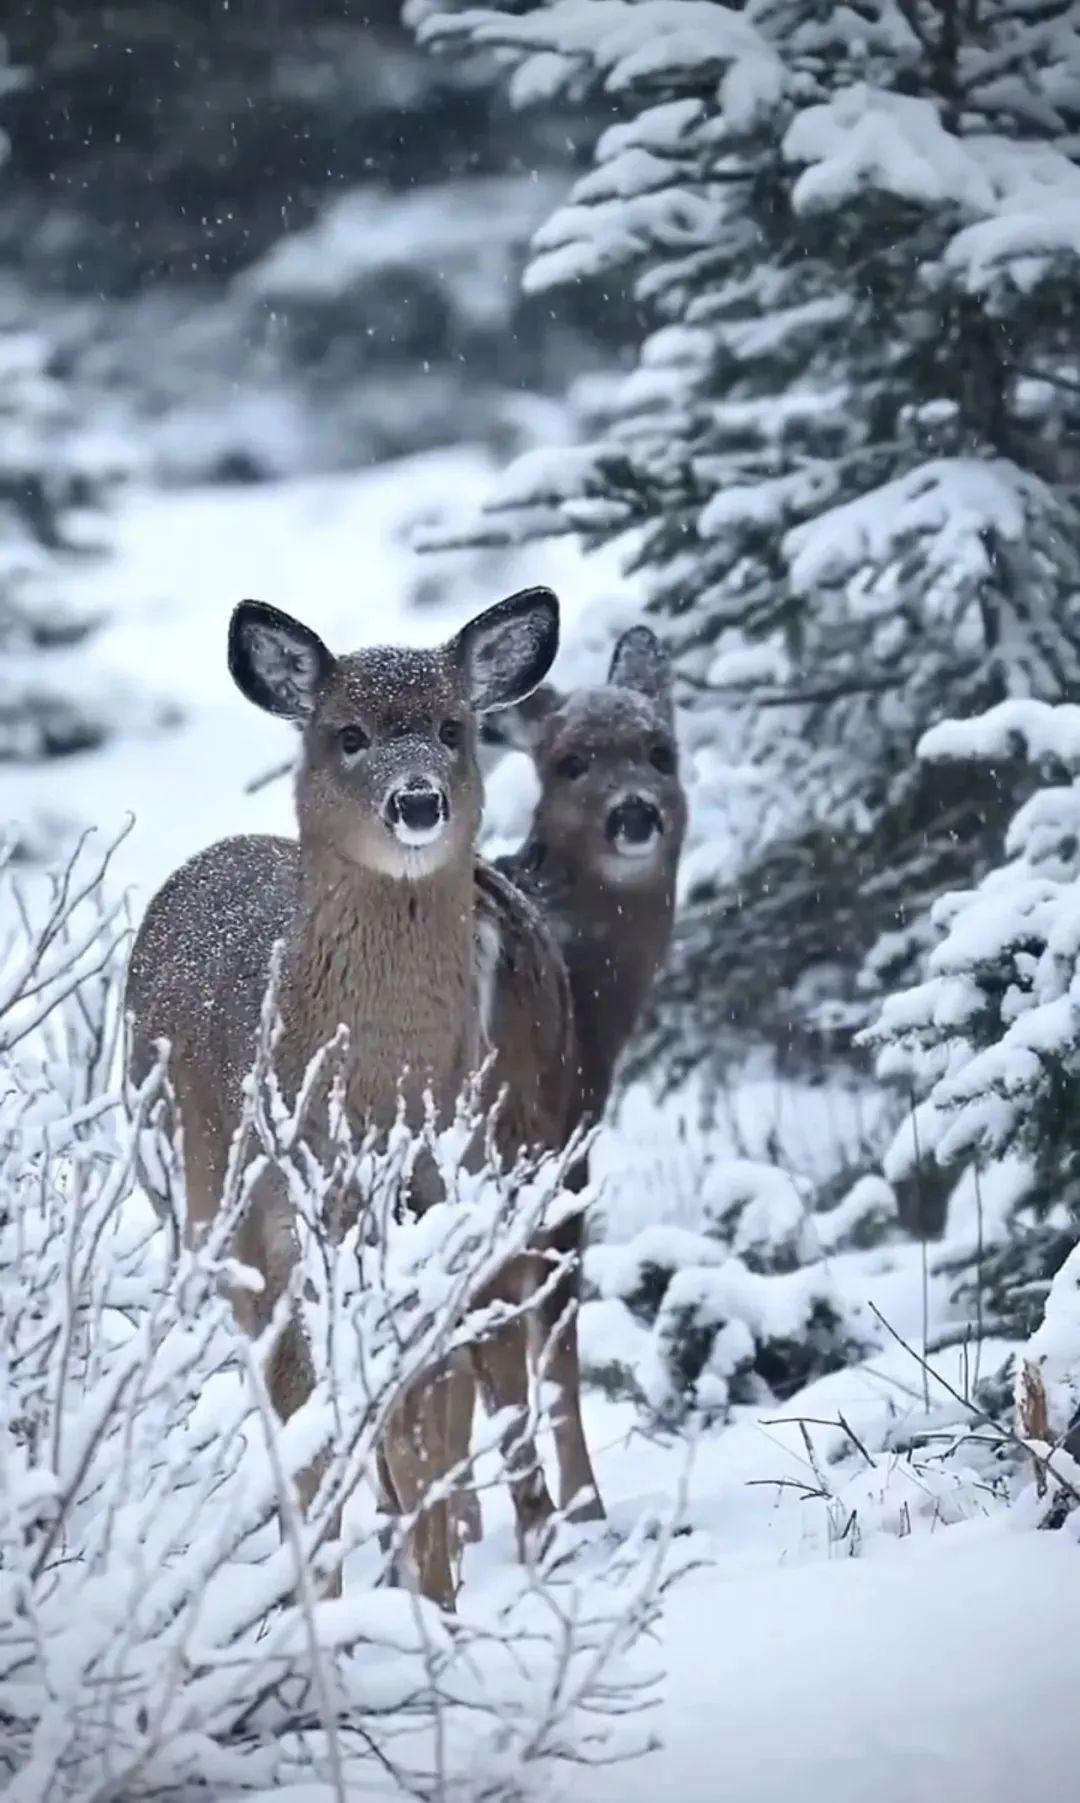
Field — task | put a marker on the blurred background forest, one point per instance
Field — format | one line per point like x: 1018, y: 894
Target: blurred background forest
x: 283, y: 237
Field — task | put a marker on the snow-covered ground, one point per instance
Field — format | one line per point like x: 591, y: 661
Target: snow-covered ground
x: 943, y: 1672
x: 899, y: 1637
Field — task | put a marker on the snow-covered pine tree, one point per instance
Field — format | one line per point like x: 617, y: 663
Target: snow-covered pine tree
x: 56, y: 478
x: 845, y: 461
x: 989, y: 1042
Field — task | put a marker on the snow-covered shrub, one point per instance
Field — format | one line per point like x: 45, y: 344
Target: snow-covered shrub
x: 989, y: 1042
x: 845, y: 461
x: 865, y: 1216
x: 413, y: 275
x: 895, y: 1498
x: 391, y: 322
x: 159, y: 1637
x: 743, y: 1310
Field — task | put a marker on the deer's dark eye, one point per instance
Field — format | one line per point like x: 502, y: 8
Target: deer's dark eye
x: 353, y: 739
x: 450, y: 732
x: 662, y: 758
x: 571, y: 766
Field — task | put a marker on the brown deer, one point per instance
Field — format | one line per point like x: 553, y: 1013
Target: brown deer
x: 389, y: 929
x: 600, y: 863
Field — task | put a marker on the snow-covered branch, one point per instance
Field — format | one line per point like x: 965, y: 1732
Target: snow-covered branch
x: 159, y: 1628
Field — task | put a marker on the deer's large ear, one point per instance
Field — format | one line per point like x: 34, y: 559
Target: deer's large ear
x: 639, y: 661
x: 508, y: 649
x: 276, y: 662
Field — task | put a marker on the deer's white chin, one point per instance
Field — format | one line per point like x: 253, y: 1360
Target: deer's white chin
x: 410, y: 859
x: 418, y: 838
x: 636, y: 849
x: 415, y: 862
x: 626, y: 860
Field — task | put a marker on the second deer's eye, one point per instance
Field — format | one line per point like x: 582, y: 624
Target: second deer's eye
x: 450, y: 732
x: 353, y: 739
x: 662, y: 758
x: 571, y: 766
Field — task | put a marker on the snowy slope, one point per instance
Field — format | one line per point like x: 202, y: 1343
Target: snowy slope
x: 946, y: 1672
x: 940, y: 1663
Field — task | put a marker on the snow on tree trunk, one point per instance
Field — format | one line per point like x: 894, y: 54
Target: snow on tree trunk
x: 1048, y: 1404
x: 1048, y: 1384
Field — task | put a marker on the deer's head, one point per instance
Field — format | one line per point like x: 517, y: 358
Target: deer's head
x: 388, y: 779
x: 608, y: 763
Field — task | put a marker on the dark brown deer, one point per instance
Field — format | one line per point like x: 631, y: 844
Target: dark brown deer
x: 388, y: 930
x: 600, y: 864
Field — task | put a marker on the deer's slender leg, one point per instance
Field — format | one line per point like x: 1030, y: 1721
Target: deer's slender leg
x: 388, y: 1505
x: 415, y: 1450
x: 466, y: 1522
x: 556, y: 1327
x: 579, y: 1493
x: 463, y: 1507
x: 501, y: 1366
x: 266, y: 1239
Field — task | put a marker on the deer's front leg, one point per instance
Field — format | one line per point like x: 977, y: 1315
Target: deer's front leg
x: 266, y: 1239
x: 413, y: 1457
x: 501, y: 1366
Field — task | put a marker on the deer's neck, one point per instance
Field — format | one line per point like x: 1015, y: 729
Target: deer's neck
x: 614, y: 937
x: 392, y: 962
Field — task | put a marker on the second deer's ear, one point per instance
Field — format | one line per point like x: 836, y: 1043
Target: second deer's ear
x: 276, y: 662
x: 639, y: 661
x: 508, y: 649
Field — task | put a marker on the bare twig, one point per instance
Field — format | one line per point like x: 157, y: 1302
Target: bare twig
x: 1006, y: 1435
x: 273, y: 775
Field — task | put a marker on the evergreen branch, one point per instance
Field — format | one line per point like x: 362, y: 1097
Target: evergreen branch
x: 841, y: 691
x: 1053, y: 379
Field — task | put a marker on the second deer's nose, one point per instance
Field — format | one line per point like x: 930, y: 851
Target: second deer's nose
x: 634, y: 821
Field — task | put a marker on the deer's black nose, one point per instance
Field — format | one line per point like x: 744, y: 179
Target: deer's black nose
x: 634, y: 821
x: 419, y: 806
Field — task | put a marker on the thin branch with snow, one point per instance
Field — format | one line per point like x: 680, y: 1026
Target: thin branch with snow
x: 159, y: 1634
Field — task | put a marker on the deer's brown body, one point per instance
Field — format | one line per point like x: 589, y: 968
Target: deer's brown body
x: 385, y: 928
x: 600, y: 864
